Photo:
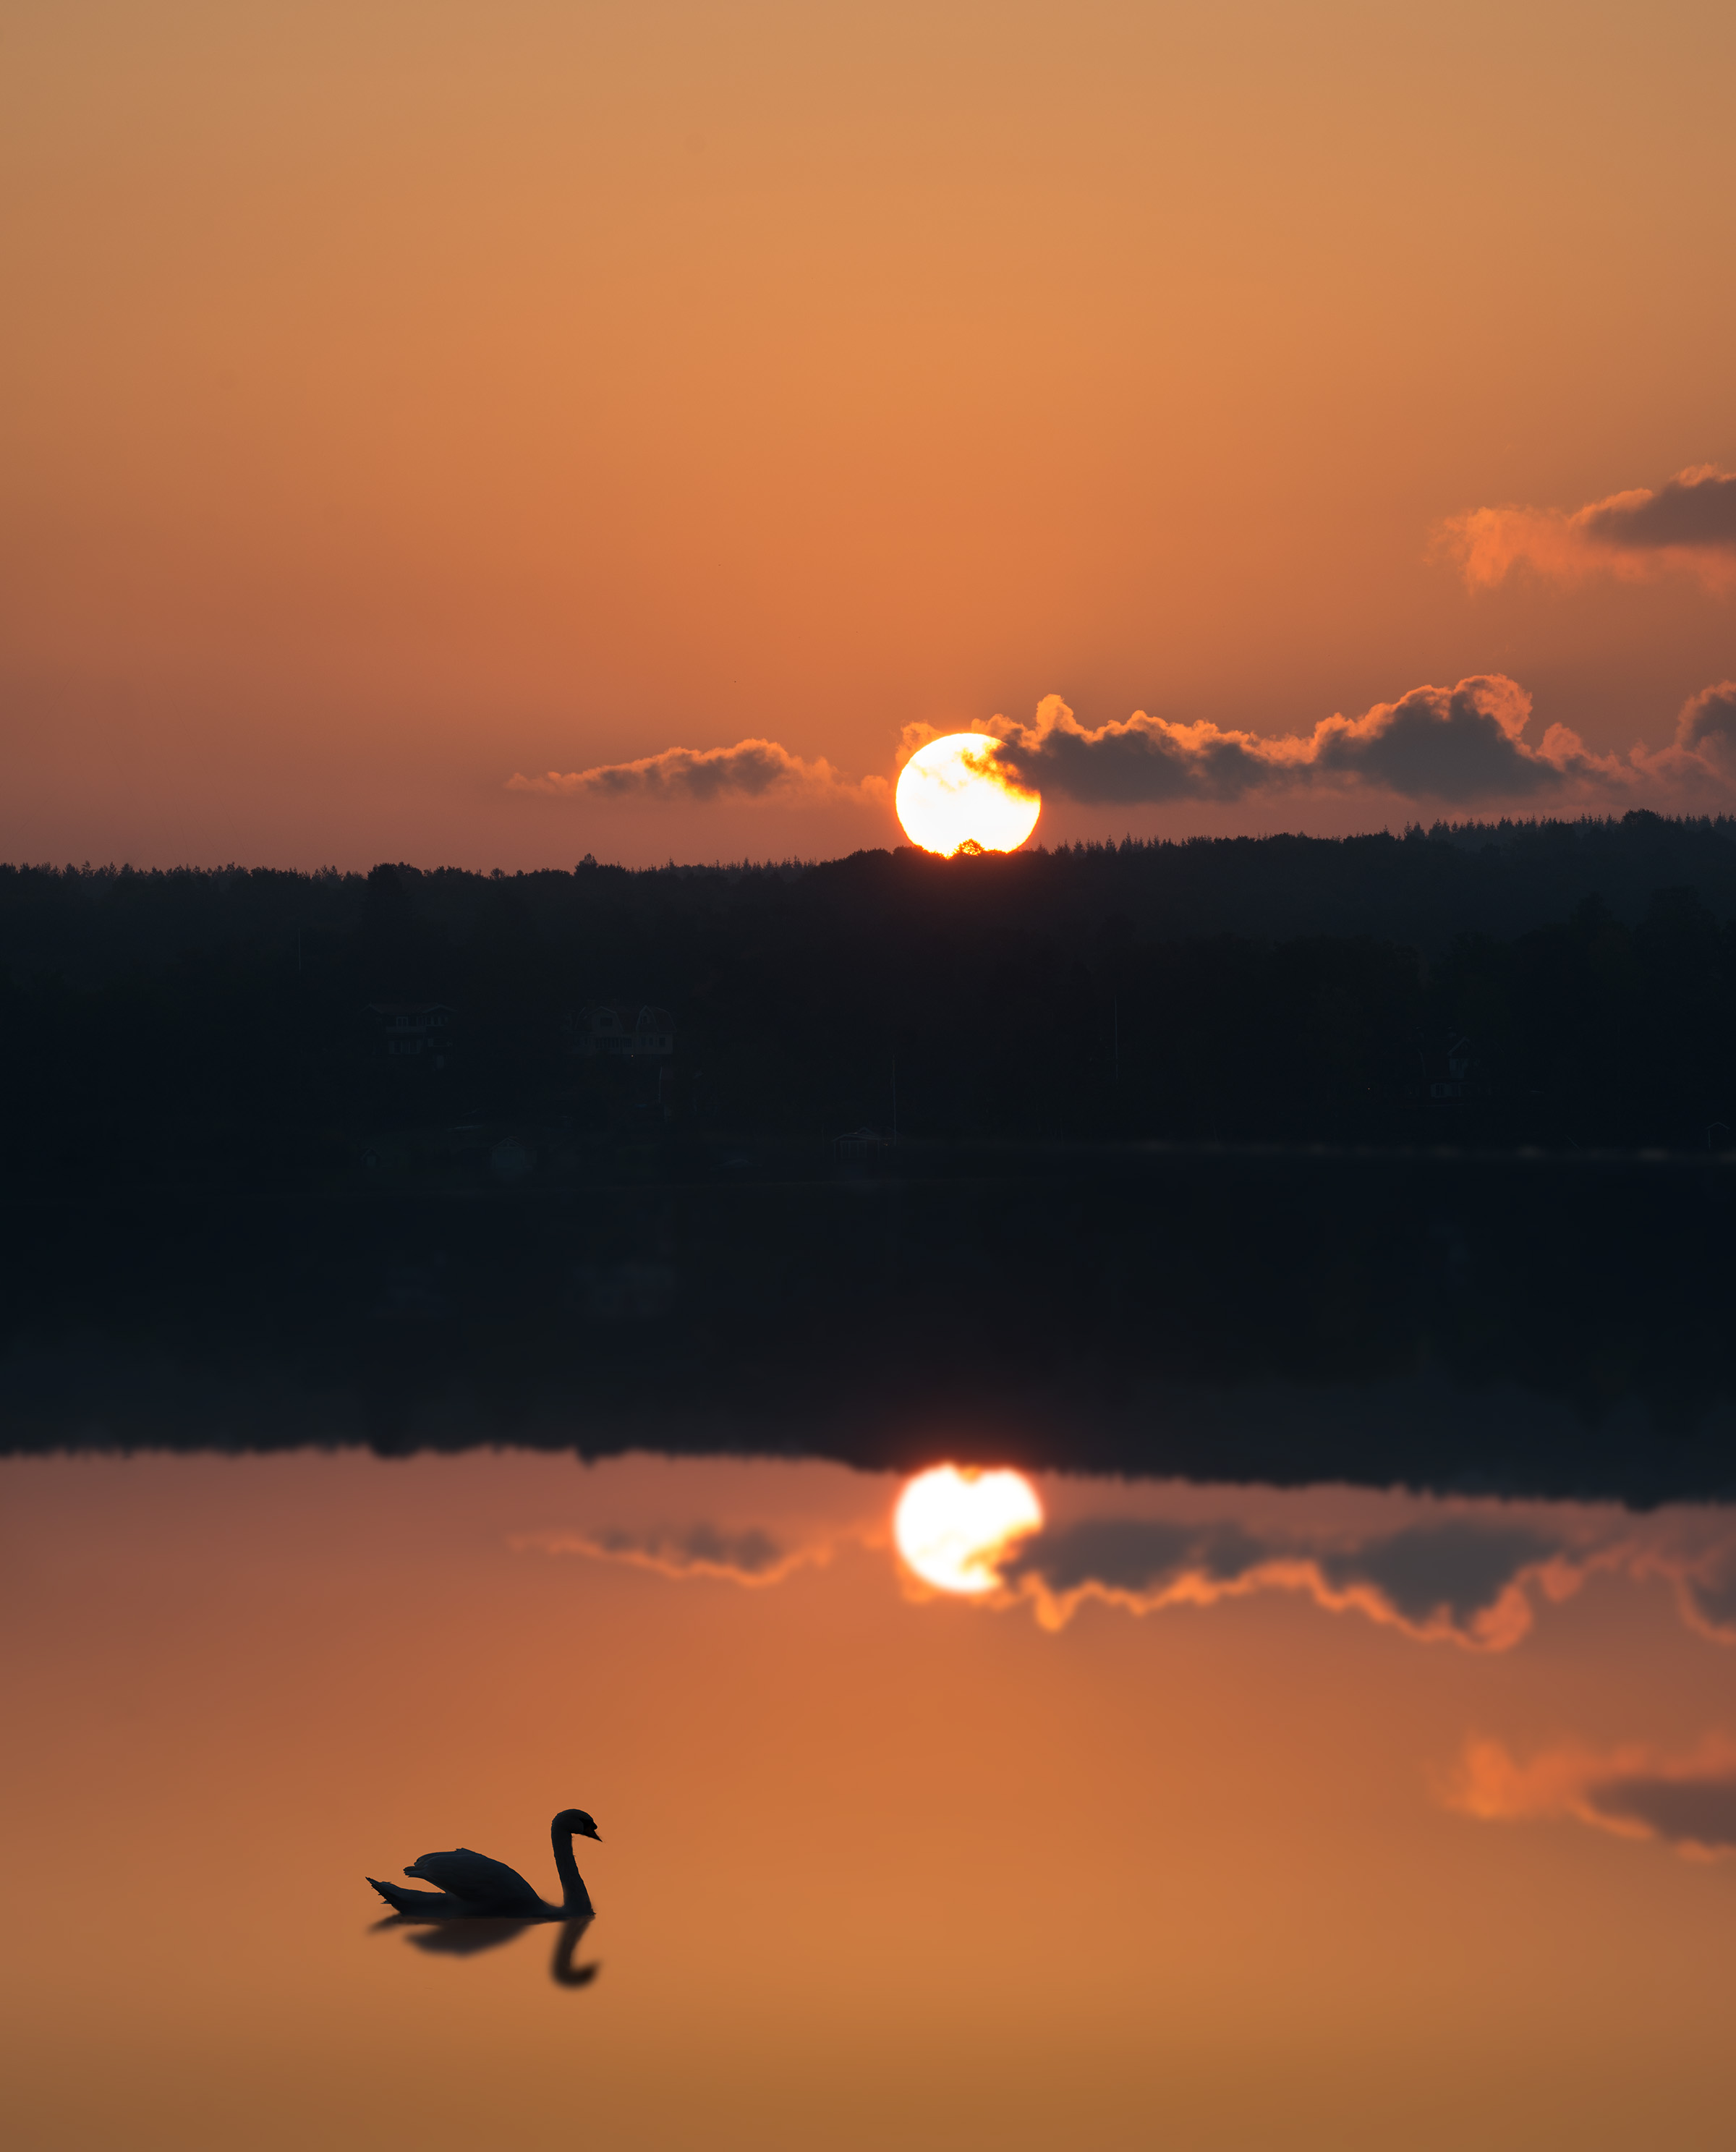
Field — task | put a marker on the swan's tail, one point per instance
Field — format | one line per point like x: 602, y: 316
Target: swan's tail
x: 425, y: 1902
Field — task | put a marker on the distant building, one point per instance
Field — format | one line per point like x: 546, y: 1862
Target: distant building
x: 603, y: 1029
x: 420, y: 1030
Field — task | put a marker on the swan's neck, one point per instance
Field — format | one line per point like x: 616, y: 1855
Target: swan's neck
x: 575, y: 1896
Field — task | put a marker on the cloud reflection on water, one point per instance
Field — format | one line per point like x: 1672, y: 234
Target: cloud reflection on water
x: 1636, y: 1791
x: 748, y: 1555
x: 1706, y: 1591
x: 1474, y: 1572
x: 1471, y: 1571
x: 1462, y: 1579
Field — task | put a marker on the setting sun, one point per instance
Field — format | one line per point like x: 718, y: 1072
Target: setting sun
x: 953, y: 792
x: 951, y: 1525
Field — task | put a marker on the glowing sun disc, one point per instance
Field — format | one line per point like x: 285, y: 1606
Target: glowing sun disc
x: 951, y: 1524
x: 953, y: 792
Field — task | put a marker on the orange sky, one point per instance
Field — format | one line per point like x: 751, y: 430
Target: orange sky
x: 400, y: 399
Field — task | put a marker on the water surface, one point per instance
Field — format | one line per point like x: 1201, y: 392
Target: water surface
x: 1326, y: 1817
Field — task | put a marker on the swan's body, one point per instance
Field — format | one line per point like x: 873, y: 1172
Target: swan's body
x: 469, y: 1885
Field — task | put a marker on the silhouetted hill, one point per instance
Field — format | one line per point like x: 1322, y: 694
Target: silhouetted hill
x: 1569, y: 985
x: 94, y: 925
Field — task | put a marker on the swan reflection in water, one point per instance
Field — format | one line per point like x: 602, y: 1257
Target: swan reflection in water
x: 479, y: 1903
x: 449, y: 1938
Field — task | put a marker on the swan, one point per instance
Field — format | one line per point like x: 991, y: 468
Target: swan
x: 469, y: 1885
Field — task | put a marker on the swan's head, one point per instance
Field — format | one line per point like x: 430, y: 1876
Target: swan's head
x: 578, y: 1822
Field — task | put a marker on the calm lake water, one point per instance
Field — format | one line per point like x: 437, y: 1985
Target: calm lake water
x: 1237, y: 1818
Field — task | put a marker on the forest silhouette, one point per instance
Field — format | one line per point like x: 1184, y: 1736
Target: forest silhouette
x: 1565, y: 986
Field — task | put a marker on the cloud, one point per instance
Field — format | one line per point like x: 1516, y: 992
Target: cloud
x: 1461, y: 1580
x: 1707, y: 726
x: 1688, y: 1801
x: 752, y: 769
x: 1455, y: 746
x: 1697, y: 509
x: 1450, y: 745
x: 1700, y: 761
x: 1687, y: 527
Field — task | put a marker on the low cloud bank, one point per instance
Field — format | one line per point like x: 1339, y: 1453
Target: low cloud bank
x: 752, y: 770
x: 1455, y: 745
x: 1462, y: 747
x: 1687, y: 527
x: 1688, y: 1802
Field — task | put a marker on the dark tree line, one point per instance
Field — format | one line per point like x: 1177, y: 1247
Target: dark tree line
x: 1560, y: 985
x: 1422, y: 889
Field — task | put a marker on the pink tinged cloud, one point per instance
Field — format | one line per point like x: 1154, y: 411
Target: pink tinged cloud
x: 1685, y: 527
x: 752, y: 769
x: 1688, y: 1802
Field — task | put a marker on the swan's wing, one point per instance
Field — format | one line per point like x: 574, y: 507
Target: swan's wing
x: 473, y: 1877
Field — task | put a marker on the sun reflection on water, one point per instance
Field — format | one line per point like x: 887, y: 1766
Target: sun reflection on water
x: 952, y: 1522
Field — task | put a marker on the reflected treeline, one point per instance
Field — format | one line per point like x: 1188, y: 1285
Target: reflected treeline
x: 1531, y: 1325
